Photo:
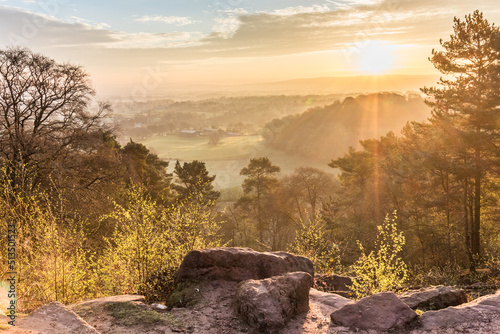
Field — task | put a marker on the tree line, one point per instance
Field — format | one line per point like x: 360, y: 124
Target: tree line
x: 96, y: 218
x: 441, y: 175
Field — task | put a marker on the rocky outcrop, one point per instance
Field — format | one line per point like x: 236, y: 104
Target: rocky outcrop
x: 334, y: 282
x: 332, y: 300
x: 480, y: 310
x: 55, y: 318
x: 434, y: 298
x: 381, y: 312
x: 268, y: 304
x: 239, y: 264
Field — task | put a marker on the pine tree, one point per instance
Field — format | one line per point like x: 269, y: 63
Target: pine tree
x: 466, y: 107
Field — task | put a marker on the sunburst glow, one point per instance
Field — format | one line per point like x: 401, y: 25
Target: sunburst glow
x: 376, y: 57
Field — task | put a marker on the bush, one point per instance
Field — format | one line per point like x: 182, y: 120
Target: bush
x: 382, y: 269
x: 148, y: 237
x: 159, y: 286
x: 52, y: 262
x: 311, y: 242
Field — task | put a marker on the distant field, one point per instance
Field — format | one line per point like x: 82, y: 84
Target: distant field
x: 227, y: 158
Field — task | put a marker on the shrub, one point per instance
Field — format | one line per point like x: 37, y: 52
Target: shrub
x: 382, y: 269
x: 159, y: 286
x: 52, y: 262
x: 311, y: 242
x: 149, y: 237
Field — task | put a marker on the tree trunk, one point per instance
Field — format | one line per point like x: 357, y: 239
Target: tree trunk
x: 476, y: 222
x: 467, y: 226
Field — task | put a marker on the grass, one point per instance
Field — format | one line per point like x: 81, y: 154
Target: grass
x: 192, y: 148
x: 184, y: 295
x: 130, y: 314
x: 227, y: 158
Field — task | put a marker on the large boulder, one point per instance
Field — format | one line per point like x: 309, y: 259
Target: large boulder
x: 381, y: 312
x: 483, y: 310
x: 434, y: 298
x: 269, y: 304
x: 55, y: 318
x: 239, y: 264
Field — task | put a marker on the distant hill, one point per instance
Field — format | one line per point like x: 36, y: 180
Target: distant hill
x: 343, y: 85
x: 300, y: 86
x: 328, y: 132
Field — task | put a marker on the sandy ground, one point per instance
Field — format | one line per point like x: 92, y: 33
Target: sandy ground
x: 215, y: 314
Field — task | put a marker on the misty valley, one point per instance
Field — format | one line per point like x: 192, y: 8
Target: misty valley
x: 357, y: 192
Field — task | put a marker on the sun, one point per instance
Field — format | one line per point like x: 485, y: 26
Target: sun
x: 376, y: 57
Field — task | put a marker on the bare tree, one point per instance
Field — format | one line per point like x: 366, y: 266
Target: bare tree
x: 45, y: 115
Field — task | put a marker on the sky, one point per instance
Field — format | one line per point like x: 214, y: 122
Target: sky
x: 137, y: 47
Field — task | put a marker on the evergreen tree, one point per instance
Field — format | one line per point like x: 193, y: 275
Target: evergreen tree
x: 259, y: 183
x: 466, y: 107
x: 148, y: 170
x: 193, y: 181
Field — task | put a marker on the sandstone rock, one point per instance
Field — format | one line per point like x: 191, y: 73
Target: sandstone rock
x: 381, y: 312
x: 332, y: 300
x: 334, y: 282
x: 483, y: 309
x: 434, y: 298
x: 239, y: 264
x: 55, y: 318
x: 268, y: 304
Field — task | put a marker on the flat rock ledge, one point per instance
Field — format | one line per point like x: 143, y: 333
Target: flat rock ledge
x: 483, y: 310
x: 239, y: 264
x: 380, y: 312
x: 55, y: 318
x: 267, y: 305
x: 434, y: 298
x: 332, y: 300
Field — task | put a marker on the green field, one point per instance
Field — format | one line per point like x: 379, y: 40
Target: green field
x: 227, y: 158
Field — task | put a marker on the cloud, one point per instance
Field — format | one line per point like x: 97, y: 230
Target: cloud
x: 227, y: 22
x: 176, y: 20
x: 154, y: 40
x: 239, y: 33
x: 301, y: 9
x: 23, y: 28
x: 297, y: 30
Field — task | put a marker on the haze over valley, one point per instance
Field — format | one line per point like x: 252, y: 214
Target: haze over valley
x: 284, y: 162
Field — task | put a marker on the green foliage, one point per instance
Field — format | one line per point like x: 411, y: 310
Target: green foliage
x: 260, y: 176
x: 382, y: 269
x: 330, y: 129
x: 311, y: 241
x: 258, y: 186
x: 149, y: 237
x: 139, y: 245
x: 158, y: 286
x: 147, y: 170
x: 55, y: 262
x: 52, y: 260
x: 193, y: 181
x: 465, y: 108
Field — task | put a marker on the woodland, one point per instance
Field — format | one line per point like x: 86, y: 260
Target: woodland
x: 94, y: 217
